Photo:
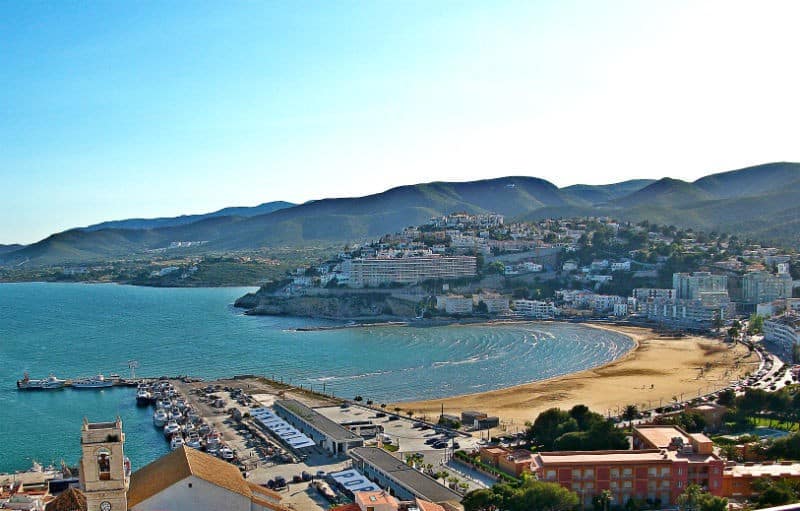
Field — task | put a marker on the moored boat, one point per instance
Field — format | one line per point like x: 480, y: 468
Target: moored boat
x: 96, y: 382
x: 159, y: 418
x: 49, y: 383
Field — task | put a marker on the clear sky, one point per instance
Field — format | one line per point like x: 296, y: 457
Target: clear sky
x: 112, y: 110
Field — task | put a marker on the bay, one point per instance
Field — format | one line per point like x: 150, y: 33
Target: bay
x: 75, y: 330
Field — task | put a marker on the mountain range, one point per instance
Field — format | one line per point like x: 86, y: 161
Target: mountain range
x: 761, y: 202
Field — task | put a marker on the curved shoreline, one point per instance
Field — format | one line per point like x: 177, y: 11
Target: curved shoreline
x: 682, y: 367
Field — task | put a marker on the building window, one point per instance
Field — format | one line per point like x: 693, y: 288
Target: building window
x: 627, y: 472
x: 664, y: 471
x: 588, y: 473
x: 614, y: 485
x: 551, y: 474
x: 627, y: 484
x: 651, y: 471
x: 576, y: 474
x: 104, y: 464
x: 614, y: 473
x: 680, y: 484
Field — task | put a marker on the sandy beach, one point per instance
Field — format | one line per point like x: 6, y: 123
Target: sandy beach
x: 652, y: 374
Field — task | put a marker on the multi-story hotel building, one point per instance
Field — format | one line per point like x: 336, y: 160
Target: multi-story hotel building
x: 689, y: 286
x: 783, y: 330
x: 374, y: 271
x: 536, y: 309
x: 665, y: 461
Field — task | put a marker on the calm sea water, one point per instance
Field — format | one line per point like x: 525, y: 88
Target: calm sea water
x: 77, y: 330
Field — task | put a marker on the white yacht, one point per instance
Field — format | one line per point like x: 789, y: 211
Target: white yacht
x: 171, y: 428
x: 176, y: 442
x: 194, y: 441
x: 159, y: 418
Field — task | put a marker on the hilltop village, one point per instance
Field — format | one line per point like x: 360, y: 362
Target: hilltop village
x: 465, y: 266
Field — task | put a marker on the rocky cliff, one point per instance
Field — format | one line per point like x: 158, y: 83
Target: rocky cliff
x: 340, y: 306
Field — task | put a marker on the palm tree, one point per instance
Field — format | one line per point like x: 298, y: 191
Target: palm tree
x: 629, y: 413
x: 603, y: 501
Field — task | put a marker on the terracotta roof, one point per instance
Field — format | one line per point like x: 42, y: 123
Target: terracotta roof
x: 347, y: 507
x: 424, y: 505
x: 70, y: 500
x: 177, y: 466
x: 373, y: 498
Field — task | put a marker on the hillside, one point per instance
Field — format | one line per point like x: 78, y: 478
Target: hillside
x: 664, y: 192
x: 598, y: 194
x: 759, y: 202
x: 10, y: 248
x: 155, y: 223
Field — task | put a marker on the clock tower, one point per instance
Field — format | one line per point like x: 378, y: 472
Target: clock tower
x: 104, y: 470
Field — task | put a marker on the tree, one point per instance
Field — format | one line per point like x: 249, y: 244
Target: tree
x: 602, y: 502
x: 689, y: 500
x: 629, y: 413
x: 726, y: 397
x: 550, y: 425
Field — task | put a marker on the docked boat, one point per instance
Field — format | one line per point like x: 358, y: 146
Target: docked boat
x: 143, y: 397
x: 171, y: 428
x: 49, y: 383
x: 194, y: 441
x: 97, y: 382
x: 176, y: 442
x: 159, y: 418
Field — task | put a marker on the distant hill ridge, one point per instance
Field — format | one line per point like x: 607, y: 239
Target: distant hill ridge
x: 154, y: 223
x: 760, y: 202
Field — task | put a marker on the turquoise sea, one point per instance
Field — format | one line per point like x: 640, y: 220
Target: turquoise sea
x: 77, y: 330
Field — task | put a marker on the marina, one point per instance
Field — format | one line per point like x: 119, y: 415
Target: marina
x: 54, y: 383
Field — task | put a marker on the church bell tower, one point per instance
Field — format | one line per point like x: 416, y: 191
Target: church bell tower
x: 104, y: 470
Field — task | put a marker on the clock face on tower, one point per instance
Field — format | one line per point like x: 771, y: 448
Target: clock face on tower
x: 105, y: 506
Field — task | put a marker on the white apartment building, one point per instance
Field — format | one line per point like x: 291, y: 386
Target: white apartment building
x: 621, y: 266
x: 783, y: 331
x: 495, y: 303
x: 760, y: 287
x: 374, y: 271
x: 689, y: 286
x: 454, y: 304
x: 695, y: 314
x: 535, y: 309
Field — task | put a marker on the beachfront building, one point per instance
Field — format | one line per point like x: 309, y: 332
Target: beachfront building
x: 511, y: 462
x: 760, y: 287
x: 689, y: 286
x: 187, y: 478
x: 402, y: 481
x: 691, y: 314
x: 783, y: 331
x: 535, y: 309
x: 643, y: 295
x: 326, y: 433
x: 454, y: 304
x: 737, y: 480
x: 381, y: 270
x: 658, y: 474
x: 495, y: 303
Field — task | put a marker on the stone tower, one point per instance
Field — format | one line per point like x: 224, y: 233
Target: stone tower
x: 105, y: 471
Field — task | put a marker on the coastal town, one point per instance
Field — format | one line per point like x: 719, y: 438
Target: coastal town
x: 718, y: 428
x: 399, y: 255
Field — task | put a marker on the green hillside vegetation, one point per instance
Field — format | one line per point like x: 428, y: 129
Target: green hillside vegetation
x: 760, y: 203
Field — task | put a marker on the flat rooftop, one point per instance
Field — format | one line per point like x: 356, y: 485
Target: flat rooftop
x: 759, y: 470
x: 321, y: 423
x: 661, y: 436
x: 587, y: 457
x: 423, y: 486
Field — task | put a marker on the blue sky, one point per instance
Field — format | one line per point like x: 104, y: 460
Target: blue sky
x: 112, y: 110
